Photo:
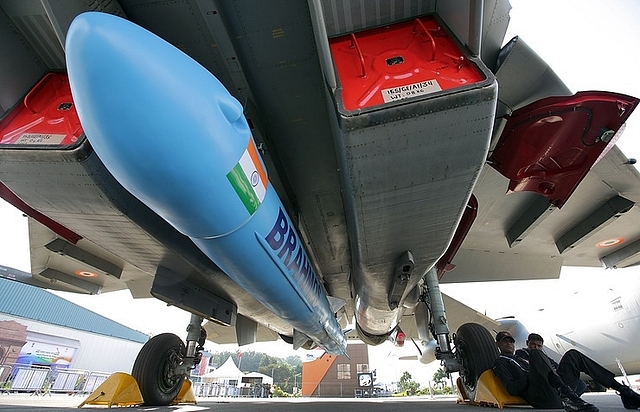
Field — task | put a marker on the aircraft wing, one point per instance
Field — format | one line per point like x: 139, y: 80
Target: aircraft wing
x: 457, y: 314
x: 596, y: 227
x: 378, y: 183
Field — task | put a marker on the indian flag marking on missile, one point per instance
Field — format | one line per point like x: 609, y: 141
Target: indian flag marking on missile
x: 249, y: 179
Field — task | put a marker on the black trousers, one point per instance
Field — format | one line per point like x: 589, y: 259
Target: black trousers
x: 574, y: 362
x: 540, y: 393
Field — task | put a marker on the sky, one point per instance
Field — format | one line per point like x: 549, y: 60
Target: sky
x: 591, y: 45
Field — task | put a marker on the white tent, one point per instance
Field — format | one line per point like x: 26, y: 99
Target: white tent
x: 257, y: 375
x: 228, y: 373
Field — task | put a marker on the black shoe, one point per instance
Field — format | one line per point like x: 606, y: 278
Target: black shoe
x: 572, y: 402
x: 630, y: 399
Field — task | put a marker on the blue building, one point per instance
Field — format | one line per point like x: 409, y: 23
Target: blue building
x: 38, y: 328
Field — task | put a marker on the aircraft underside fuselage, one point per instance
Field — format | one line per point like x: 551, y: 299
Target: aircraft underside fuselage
x: 390, y: 178
x: 327, y: 170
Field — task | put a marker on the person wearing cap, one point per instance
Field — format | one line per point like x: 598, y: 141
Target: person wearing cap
x: 536, y: 342
x: 572, y: 363
x: 536, y: 380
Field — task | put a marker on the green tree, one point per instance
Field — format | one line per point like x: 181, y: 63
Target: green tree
x: 407, y: 384
x: 440, y: 377
x: 281, y: 372
x: 294, y: 361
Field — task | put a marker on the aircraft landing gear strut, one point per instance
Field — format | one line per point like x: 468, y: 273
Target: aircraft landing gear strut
x: 474, y: 350
x: 439, y: 326
x: 164, y: 362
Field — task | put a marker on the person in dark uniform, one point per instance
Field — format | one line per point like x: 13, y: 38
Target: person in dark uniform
x: 572, y: 363
x: 536, y: 342
x: 536, y: 380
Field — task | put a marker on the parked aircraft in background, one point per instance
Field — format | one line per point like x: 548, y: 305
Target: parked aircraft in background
x: 596, y: 313
x: 288, y: 170
x: 602, y: 322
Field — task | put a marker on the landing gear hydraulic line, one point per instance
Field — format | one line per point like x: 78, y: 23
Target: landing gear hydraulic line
x: 439, y: 325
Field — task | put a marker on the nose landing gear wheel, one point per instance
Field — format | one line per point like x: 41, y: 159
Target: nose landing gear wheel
x: 476, y: 351
x: 155, y: 366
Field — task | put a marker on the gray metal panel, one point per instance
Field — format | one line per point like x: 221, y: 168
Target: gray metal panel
x: 55, y: 276
x: 33, y: 23
x: 346, y: 16
x: 601, y: 217
x: 185, y: 24
x: 622, y: 256
x: 487, y: 265
x: 399, y: 170
x: 170, y: 287
x: 20, y: 66
x: 225, y: 334
x: 289, y: 93
x: 456, y: 15
x: 33, y: 34
x: 407, y: 181
x: 459, y: 17
x: 496, y: 21
x: 531, y: 217
x: 65, y: 248
x: 523, y: 77
x: 62, y: 12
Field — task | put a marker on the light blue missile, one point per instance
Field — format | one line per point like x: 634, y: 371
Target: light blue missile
x: 175, y: 138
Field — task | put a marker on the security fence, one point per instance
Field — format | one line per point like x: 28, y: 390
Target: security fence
x: 203, y: 389
x: 43, y: 380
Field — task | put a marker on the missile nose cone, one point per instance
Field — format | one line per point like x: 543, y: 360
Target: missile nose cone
x: 164, y: 126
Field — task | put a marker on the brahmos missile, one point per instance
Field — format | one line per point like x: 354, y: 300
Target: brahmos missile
x: 175, y: 138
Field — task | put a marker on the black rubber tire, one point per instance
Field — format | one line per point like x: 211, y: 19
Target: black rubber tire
x: 154, y: 366
x: 476, y: 352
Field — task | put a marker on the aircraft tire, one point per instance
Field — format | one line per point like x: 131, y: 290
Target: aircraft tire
x: 476, y: 351
x: 154, y: 366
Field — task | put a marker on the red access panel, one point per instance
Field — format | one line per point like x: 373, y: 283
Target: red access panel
x: 409, y: 59
x: 45, y: 117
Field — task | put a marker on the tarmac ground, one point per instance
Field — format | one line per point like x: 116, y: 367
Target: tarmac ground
x: 607, y: 401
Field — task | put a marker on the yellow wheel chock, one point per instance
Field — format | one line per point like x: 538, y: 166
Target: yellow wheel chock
x: 186, y: 394
x: 489, y: 392
x: 121, y: 389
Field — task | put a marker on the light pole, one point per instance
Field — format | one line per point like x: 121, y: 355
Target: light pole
x: 295, y: 382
